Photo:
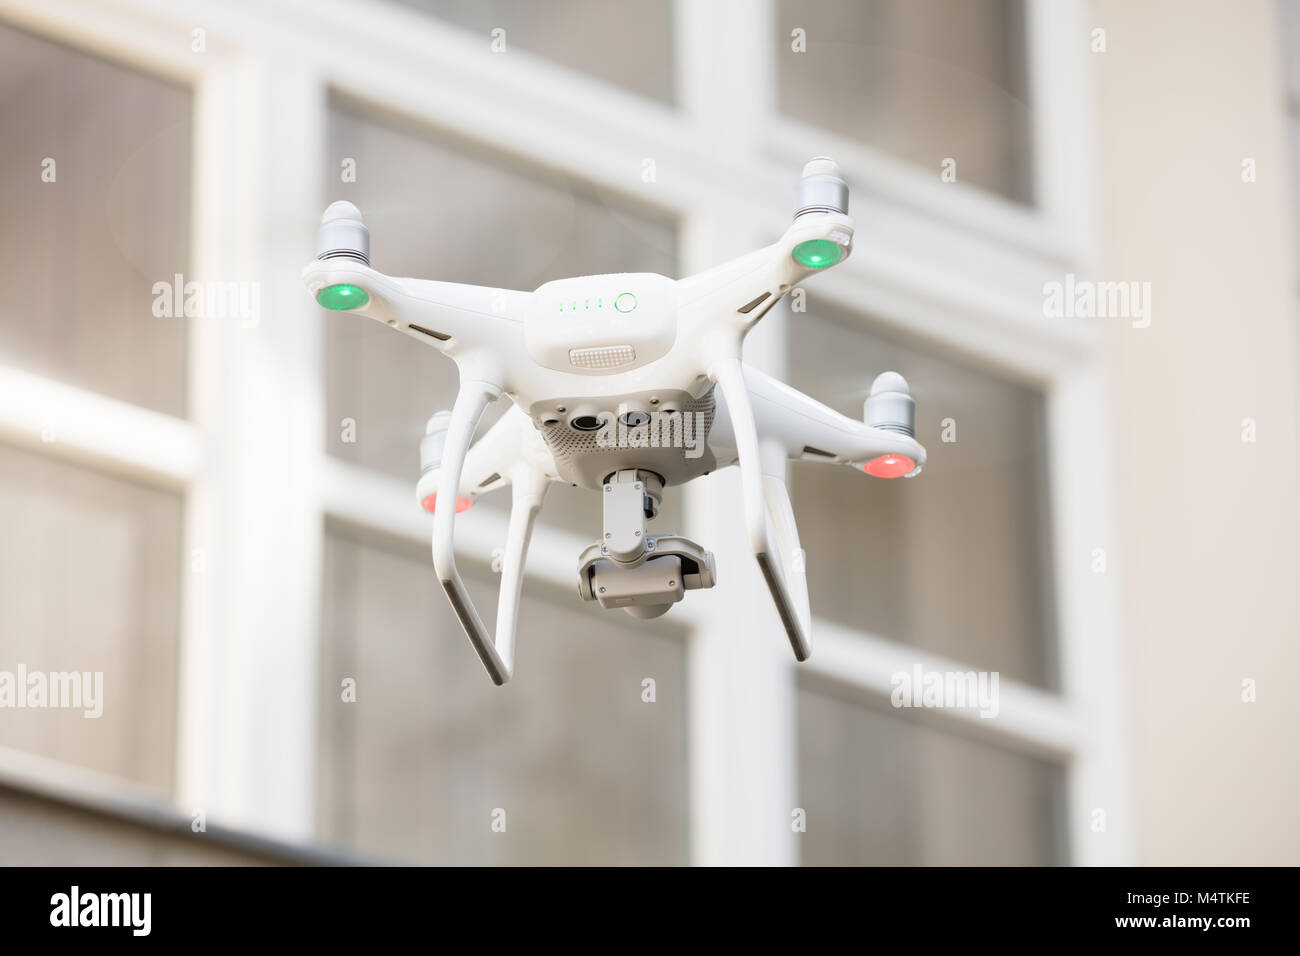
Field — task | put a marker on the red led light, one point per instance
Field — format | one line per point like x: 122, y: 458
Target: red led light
x: 890, y: 466
x: 431, y: 502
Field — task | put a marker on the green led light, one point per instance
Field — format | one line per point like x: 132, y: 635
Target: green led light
x: 818, y: 253
x: 342, y: 296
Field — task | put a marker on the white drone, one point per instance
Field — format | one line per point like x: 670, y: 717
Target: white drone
x: 624, y: 384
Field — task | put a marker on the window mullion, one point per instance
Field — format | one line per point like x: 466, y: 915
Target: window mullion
x: 1101, y: 829
x: 254, y: 531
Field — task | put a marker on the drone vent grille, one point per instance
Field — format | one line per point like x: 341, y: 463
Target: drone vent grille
x: 602, y: 357
x: 568, y: 444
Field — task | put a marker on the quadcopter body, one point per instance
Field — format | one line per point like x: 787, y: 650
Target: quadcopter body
x: 624, y: 384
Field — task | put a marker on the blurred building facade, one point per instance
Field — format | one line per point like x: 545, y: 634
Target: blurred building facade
x: 217, y: 511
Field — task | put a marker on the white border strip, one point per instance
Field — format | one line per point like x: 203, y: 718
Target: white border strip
x: 65, y: 421
x: 1028, y: 720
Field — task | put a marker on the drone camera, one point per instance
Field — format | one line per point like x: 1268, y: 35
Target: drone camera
x: 586, y: 421
x: 631, y: 569
x: 646, y: 591
x: 634, y: 419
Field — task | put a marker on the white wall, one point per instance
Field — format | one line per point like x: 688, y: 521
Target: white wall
x: 1209, y: 523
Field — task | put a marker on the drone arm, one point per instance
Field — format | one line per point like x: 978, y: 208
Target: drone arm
x: 812, y: 431
x: 747, y: 285
x: 762, y: 477
x: 445, y: 315
x: 738, y: 293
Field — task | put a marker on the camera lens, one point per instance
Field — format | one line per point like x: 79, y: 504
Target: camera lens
x: 634, y: 419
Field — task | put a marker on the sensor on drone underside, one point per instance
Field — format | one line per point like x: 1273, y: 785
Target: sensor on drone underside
x: 665, y: 431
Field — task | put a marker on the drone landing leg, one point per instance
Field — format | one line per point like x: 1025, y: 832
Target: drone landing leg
x: 527, y: 489
x: 789, y: 557
x: 471, y: 400
x: 764, y: 490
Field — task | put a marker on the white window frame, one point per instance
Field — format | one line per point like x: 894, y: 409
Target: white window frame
x: 255, y: 508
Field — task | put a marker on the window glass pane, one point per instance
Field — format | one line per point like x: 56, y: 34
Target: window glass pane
x: 924, y: 80
x: 438, y: 211
x: 624, y: 42
x: 90, y: 582
x: 95, y: 201
x: 956, y: 560
x: 585, y: 770
x: 884, y: 790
